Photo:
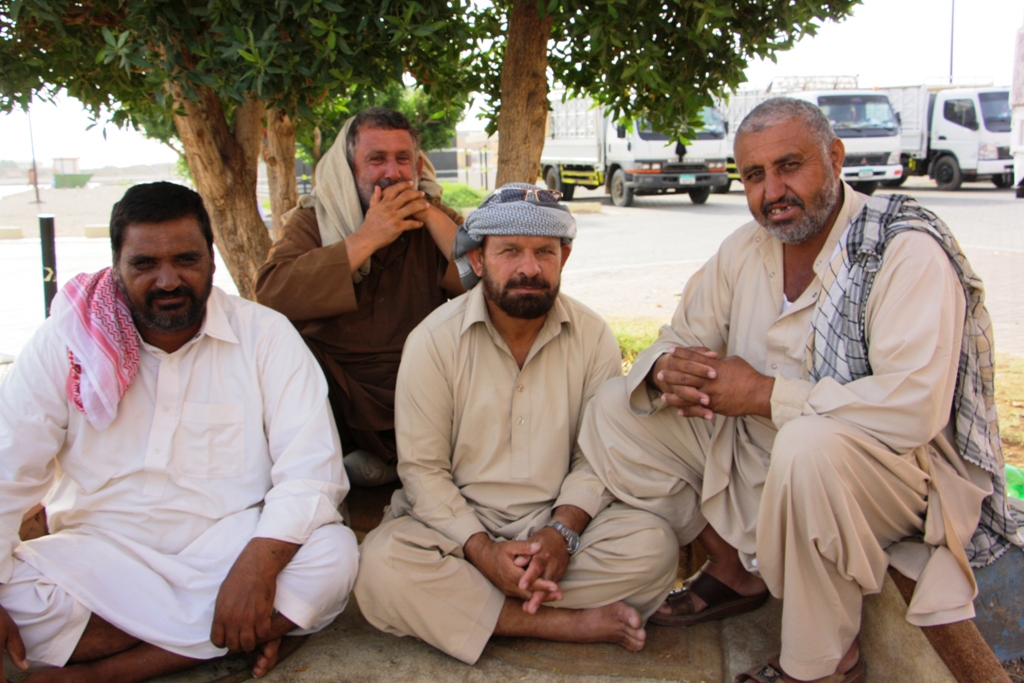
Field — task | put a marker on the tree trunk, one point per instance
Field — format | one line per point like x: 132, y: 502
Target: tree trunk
x: 223, y: 164
x: 280, y: 160
x: 522, y: 122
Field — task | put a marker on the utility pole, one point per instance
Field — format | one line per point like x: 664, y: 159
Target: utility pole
x: 952, y: 21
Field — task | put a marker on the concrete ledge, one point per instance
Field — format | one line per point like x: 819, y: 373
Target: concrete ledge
x: 97, y: 231
x: 11, y: 233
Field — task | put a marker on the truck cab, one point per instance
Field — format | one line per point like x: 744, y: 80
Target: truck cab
x: 969, y: 137
x: 643, y: 162
x: 865, y: 122
x: 584, y: 146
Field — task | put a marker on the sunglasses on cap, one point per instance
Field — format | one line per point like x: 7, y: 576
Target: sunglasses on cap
x: 528, y: 194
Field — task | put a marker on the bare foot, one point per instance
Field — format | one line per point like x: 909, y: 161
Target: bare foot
x: 266, y: 658
x: 616, y: 623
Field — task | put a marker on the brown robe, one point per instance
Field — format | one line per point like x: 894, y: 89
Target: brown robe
x: 355, y: 330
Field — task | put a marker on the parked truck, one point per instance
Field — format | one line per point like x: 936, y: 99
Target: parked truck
x: 954, y: 134
x: 863, y: 119
x: 584, y: 146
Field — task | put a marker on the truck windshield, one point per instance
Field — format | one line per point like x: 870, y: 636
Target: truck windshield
x: 859, y: 116
x: 995, y: 109
x: 713, y: 128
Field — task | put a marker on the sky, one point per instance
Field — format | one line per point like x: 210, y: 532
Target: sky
x: 884, y: 42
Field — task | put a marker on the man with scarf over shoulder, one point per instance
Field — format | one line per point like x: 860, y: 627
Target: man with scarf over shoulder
x: 359, y: 263
x: 820, y: 407
x: 184, y: 448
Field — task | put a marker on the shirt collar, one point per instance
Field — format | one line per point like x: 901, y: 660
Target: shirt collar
x: 216, y: 323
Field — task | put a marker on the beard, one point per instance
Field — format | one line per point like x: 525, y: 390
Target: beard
x: 806, y: 226
x: 522, y: 306
x: 365, y: 190
x: 147, y: 315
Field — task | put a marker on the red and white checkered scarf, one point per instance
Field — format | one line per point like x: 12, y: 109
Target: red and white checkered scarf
x: 93, y: 320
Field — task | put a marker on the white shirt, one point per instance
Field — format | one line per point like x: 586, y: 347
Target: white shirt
x: 234, y: 420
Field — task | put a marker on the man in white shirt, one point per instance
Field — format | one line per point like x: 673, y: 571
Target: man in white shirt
x: 194, y: 509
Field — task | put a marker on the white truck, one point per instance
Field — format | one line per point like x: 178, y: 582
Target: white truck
x: 584, y: 146
x: 863, y: 119
x: 954, y: 134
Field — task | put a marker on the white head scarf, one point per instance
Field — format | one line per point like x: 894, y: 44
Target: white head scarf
x: 336, y: 200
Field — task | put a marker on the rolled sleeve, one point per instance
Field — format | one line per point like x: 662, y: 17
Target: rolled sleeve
x: 789, y: 399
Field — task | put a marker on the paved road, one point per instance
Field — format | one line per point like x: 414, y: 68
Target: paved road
x: 633, y: 262
x: 626, y: 263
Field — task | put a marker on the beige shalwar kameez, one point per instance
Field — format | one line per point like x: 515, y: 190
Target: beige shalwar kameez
x: 485, y: 446
x: 814, y: 498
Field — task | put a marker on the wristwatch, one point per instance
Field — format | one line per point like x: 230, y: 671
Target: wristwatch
x: 572, y: 539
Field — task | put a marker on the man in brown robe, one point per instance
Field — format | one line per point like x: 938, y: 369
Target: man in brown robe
x: 358, y: 265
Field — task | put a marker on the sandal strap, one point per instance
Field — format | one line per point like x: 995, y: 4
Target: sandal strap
x: 711, y: 590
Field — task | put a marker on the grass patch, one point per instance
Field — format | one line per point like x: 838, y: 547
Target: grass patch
x: 1010, y: 403
x: 461, y: 196
x: 634, y: 335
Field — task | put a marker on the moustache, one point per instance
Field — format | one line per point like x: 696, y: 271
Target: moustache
x: 183, y: 290
x: 787, y: 199
x: 535, y: 282
x: 385, y: 183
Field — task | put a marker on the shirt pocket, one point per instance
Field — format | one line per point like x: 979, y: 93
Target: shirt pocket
x: 211, y: 440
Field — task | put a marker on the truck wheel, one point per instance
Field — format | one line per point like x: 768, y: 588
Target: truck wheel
x: 699, y: 195
x: 1003, y: 180
x: 867, y: 187
x: 946, y: 172
x: 723, y: 189
x: 621, y: 195
x: 554, y: 182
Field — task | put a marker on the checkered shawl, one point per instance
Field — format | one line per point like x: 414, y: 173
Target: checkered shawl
x: 838, y: 348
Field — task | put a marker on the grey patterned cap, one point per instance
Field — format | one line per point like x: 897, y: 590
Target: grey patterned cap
x: 510, y: 217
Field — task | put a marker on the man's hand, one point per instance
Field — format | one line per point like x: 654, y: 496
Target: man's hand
x: 551, y: 561
x: 503, y: 562
x: 10, y: 640
x: 392, y: 211
x: 680, y: 375
x: 696, y: 382
x: 738, y: 389
x: 245, y: 602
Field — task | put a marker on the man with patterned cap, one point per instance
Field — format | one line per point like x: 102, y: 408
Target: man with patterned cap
x: 359, y: 263
x: 501, y: 527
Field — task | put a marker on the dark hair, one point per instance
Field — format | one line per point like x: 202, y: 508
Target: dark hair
x: 156, y: 203
x: 377, y: 117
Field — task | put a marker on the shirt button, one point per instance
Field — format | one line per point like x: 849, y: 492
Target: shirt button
x: 519, y: 388
x: 522, y: 421
x: 156, y: 451
x: 167, y: 409
x: 381, y: 301
x: 771, y: 274
x: 775, y: 366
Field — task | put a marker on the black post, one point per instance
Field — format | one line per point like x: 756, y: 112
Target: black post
x: 49, y: 260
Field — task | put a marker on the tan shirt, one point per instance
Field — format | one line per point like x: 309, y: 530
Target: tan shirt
x: 483, y: 445
x: 734, y: 305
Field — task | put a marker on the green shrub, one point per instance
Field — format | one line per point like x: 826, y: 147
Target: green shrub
x: 461, y: 196
x: 634, y: 335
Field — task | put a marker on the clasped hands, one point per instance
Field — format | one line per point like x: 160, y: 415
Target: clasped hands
x: 528, y: 570
x: 700, y: 384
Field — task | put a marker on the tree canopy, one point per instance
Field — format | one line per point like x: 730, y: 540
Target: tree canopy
x: 225, y: 70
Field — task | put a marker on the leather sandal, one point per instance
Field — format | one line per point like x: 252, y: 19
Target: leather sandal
x: 722, y: 602
x: 772, y: 673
